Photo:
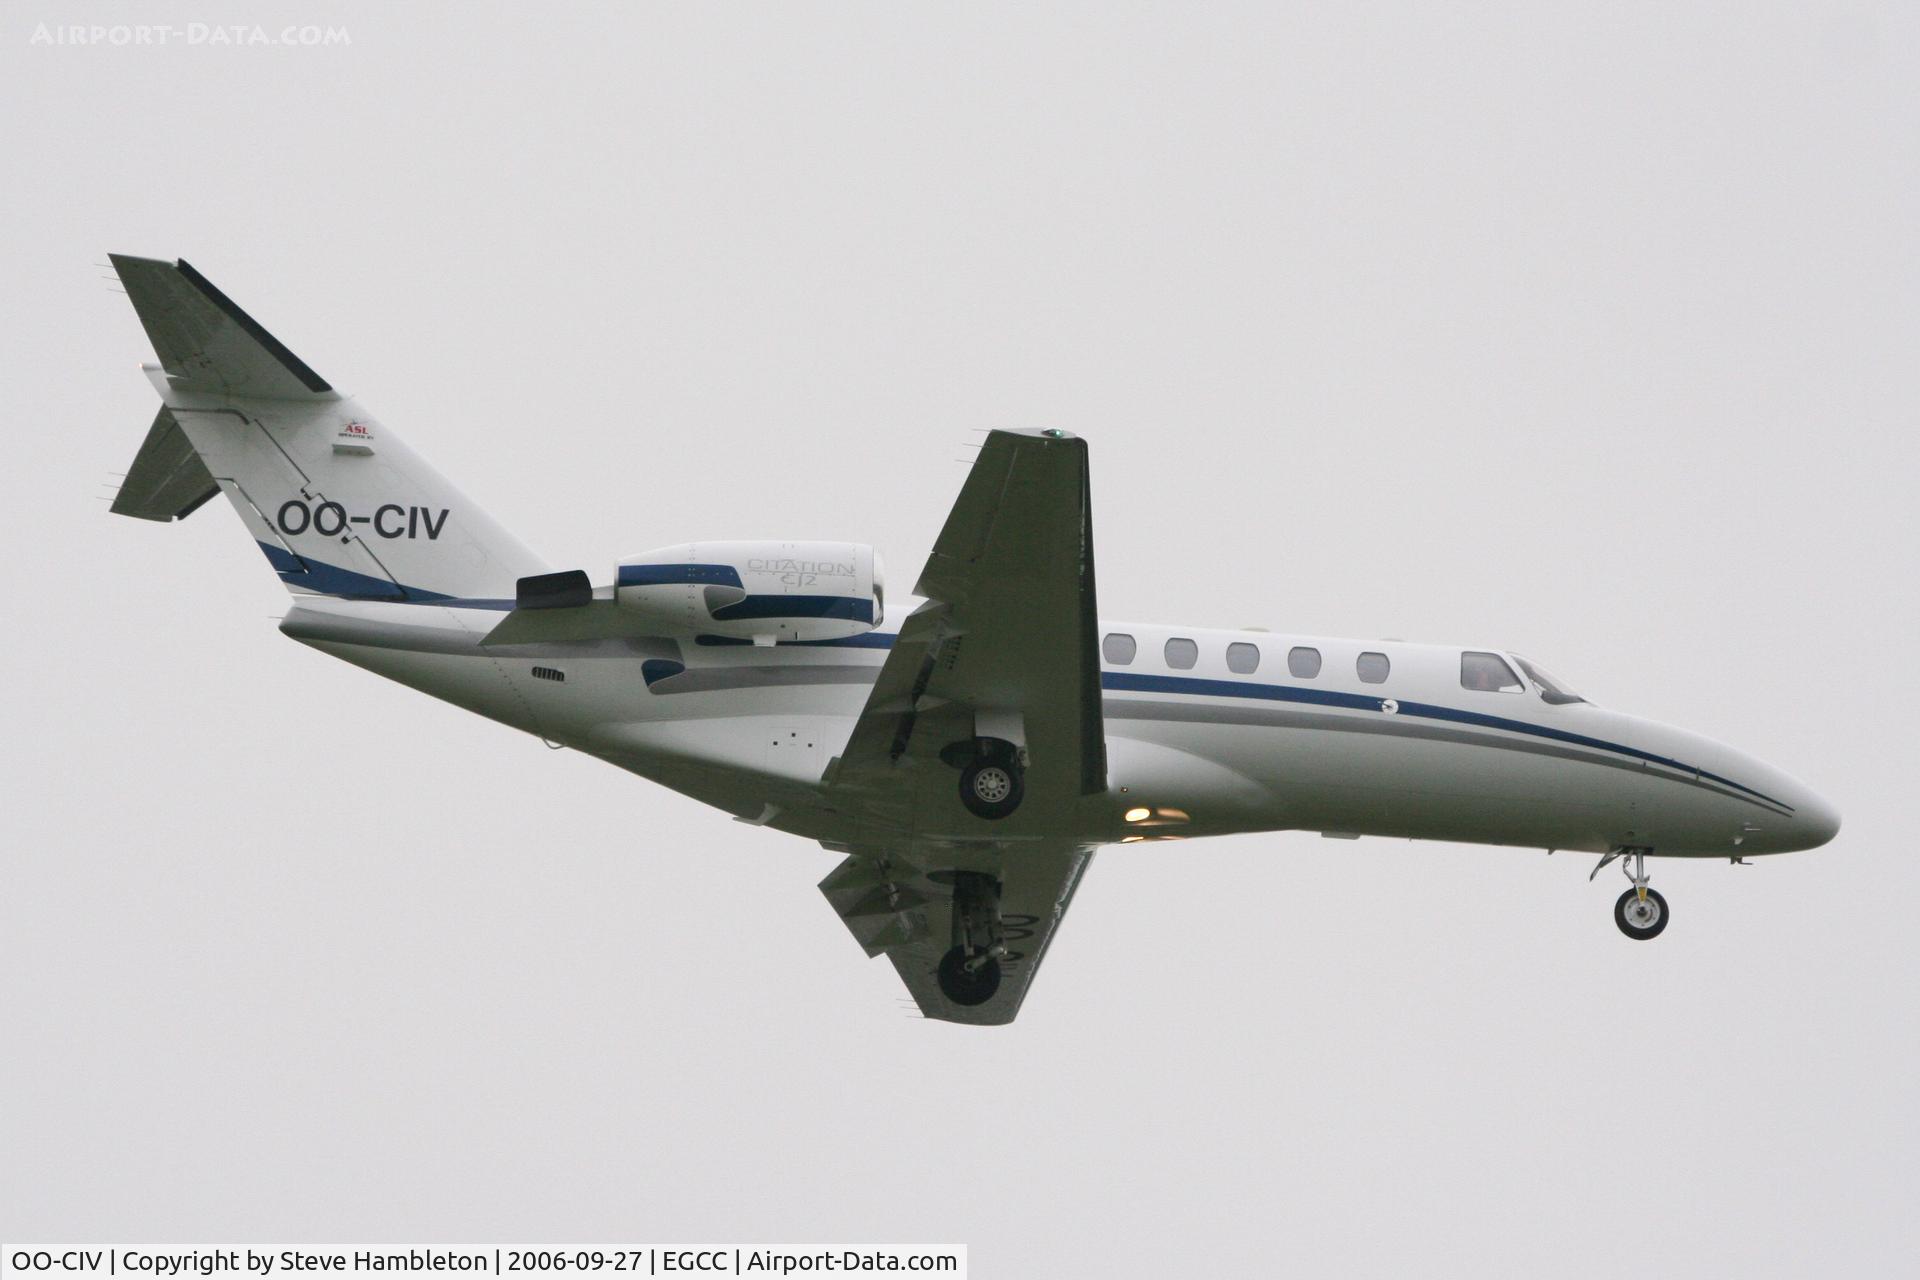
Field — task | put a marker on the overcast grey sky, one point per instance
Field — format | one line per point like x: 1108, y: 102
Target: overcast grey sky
x: 1583, y: 330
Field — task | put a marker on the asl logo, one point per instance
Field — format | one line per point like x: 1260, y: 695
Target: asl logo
x: 356, y: 438
x: 330, y: 519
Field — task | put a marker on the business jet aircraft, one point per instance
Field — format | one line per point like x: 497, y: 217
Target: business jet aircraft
x: 969, y: 759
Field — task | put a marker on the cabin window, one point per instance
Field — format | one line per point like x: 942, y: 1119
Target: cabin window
x: 1243, y: 659
x: 1303, y: 663
x: 1118, y: 648
x: 1372, y: 667
x: 1488, y: 673
x: 1182, y: 653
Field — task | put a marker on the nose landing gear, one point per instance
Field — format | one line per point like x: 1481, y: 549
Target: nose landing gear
x: 1641, y: 912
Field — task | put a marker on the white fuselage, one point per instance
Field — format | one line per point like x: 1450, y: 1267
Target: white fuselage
x: 1205, y: 749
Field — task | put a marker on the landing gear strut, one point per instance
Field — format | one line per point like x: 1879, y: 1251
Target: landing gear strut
x: 970, y: 971
x: 1641, y: 912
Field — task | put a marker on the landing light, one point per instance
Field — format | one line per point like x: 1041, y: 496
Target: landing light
x: 1139, y: 815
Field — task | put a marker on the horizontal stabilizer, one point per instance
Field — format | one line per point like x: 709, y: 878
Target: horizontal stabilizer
x: 206, y: 342
x: 167, y: 480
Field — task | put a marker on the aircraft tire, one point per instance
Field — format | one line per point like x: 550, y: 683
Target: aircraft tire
x: 991, y: 786
x: 1638, y: 922
x: 964, y: 988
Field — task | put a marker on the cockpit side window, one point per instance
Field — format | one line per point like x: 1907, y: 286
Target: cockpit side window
x: 1551, y: 690
x: 1488, y: 673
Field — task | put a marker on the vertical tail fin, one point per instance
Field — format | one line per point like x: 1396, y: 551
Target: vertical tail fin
x: 338, y: 504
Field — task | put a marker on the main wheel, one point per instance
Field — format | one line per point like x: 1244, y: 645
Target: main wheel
x: 1641, y: 918
x: 968, y: 986
x: 991, y: 787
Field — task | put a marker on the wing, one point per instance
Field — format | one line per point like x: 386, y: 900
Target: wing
x: 1005, y: 647
x: 902, y: 906
x: 1000, y: 664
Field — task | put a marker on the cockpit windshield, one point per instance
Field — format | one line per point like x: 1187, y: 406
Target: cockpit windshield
x: 1551, y: 690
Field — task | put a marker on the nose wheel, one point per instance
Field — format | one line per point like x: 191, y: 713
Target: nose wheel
x: 1641, y: 912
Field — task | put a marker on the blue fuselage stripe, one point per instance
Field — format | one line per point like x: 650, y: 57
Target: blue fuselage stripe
x: 659, y: 575
x: 1132, y: 682
x: 348, y: 584
x: 849, y: 608
x: 332, y: 580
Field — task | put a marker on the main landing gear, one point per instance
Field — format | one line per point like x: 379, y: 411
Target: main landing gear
x: 1641, y: 912
x: 992, y: 781
x: 970, y: 972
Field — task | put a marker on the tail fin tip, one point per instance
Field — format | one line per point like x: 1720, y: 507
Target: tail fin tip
x: 203, y: 338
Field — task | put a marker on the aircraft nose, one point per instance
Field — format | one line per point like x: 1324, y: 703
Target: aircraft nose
x: 1814, y: 823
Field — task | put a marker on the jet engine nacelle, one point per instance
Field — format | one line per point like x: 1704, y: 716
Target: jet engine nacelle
x: 758, y: 591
